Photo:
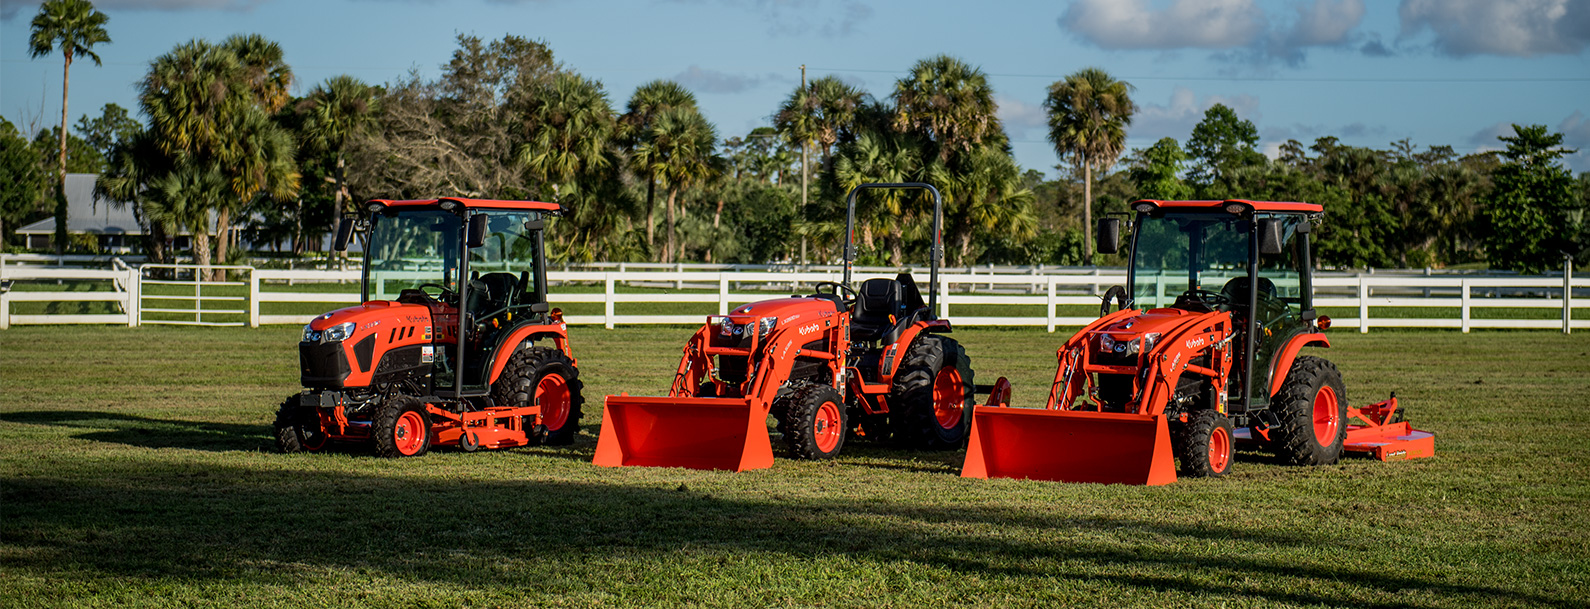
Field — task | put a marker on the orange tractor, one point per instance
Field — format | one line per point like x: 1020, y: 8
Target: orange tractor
x: 1184, y: 371
x: 454, y: 344
x: 871, y: 361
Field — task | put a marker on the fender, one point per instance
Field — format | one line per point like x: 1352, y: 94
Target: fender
x: 896, y: 352
x: 558, y: 332
x: 1283, y: 360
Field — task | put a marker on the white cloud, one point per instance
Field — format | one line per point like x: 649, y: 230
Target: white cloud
x: 1177, y: 117
x: 1239, y: 30
x: 1519, y: 28
x: 1134, y: 24
x: 1021, y: 119
x: 701, y: 80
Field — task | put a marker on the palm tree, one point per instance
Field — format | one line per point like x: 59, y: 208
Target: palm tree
x: 573, y: 123
x: 880, y: 157
x: 650, y: 100
x: 182, y: 199
x: 74, y: 27
x: 950, y: 104
x: 822, y: 113
x: 334, y: 112
x: 1089, y: 112
x: 988, y: 196
x: 682, y: 148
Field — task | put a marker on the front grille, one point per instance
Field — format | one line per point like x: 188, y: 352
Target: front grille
x: 322, y: 364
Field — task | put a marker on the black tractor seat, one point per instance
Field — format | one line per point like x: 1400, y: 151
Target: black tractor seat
x: 885, y: 307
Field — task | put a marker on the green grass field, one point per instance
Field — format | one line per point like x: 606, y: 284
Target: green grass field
x: 137, y: 468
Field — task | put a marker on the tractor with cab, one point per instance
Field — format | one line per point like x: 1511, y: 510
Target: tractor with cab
x: 453, y: 344
x: 1203, y: 351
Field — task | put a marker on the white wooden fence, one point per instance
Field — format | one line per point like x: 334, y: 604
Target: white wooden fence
x: 139, y: 296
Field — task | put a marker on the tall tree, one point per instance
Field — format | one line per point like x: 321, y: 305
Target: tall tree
x: 1089, y: 112
x: 74, y: 27
x: 881, y: 157
x: 334, y: 113
x: 1529, y: 209
x: 682, y: 148
x: 950, y: 104
x: 989, y: 197
x: 649, y: 101
x: 1157, y: 171
x: 25, y: 180
x: 113, y: 126
x: 822, y: 113
x: 1220, y: 144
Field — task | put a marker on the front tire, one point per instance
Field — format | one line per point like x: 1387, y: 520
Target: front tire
x: 1205, y: 445
x: 813, y: 422
x: 934, y: 391
x: 539, y: 375
x: 402, y: 428
x: 298, y: 428
x: 1312, y: 408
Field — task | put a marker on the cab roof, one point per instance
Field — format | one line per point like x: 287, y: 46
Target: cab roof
x: 553, y: 208
x: 1260, y: 206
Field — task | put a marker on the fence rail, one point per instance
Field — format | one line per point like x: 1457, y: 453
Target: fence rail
x: 1050, y: 299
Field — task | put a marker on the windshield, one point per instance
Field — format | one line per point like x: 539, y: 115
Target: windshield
x: 1180, y: 251
x: 410, y: 249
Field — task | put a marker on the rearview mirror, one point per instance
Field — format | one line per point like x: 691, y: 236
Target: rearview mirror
x: 1109, y: 235
x: 477, y: 230
x: 1269, y: 236
x: 344, y: 233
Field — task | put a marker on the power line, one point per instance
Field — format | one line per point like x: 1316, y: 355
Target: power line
x: 1256, y: 78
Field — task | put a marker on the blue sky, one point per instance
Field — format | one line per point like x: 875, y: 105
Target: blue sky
x: 1370, y: 72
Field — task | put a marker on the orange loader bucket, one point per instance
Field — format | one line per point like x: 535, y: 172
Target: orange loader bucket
x: 1069, y: 446
x: 698, y: 433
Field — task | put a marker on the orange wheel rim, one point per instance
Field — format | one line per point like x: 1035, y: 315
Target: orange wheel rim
x: 1327, y: 421
x: 826, y: 430
x: 1219, y: 450
x: 409, y: 433
x: 949, y: 397
x: 552, y: 394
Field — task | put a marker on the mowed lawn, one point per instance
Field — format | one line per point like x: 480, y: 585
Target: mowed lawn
x: 137, y: 468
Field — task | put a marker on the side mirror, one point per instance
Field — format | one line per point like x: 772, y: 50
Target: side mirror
x: 540, y: 307
x: 1109, y: 235
x: 477, y: 230
x: 344, y: 233
x: 536, y: 224
x: 1269, y: 236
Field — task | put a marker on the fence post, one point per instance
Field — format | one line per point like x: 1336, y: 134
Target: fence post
x: 253, y: 298
x: 1465, y: 294
x: 679, y: 283
x: 1363, y: 304
x: 1048, y: 309
x: 1567, y: 294
x: 607, y: 307
x: 133, y: 304
x: 723, y: 294
x: 5, y: 309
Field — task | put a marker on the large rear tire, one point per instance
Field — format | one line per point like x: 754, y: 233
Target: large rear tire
x: 1312, y: 408
x: 540, y: 375
x: 1205, y: 446
x: 298, y: 428
x: 934, y: 393
x: 813, y: 421
x: 402, y: 428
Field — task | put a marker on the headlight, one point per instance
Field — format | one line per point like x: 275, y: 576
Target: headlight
x: 765, y: 326
x: 311, y: 335
x: 726, y: 327
x: 1107, y: 344
x: 1149, y: 340
x: 339, y: 332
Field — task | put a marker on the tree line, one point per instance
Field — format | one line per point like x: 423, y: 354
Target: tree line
x: 223, y: 145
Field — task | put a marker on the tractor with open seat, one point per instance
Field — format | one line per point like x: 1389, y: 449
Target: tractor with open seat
x: 454, y: 343
x: 1201, y: 353
x: 871, y: 361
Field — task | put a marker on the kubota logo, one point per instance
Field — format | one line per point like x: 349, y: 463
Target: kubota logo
x: 809, y: 329
x: 1195, y: 343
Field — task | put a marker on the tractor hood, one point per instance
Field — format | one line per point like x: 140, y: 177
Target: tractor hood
x: 373, y: 314
x: 1152, y: 321
x: 796, y: 310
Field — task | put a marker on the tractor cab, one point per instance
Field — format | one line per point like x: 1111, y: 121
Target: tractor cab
x: 1240, y: 257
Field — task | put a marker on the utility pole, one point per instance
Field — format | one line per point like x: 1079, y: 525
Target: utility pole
x: 803, y: 175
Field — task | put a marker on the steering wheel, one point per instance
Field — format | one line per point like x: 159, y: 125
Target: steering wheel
x: 835, y: 288
x: 1116, y: 292
x: 1205, y: 298
x: 442, y: 293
